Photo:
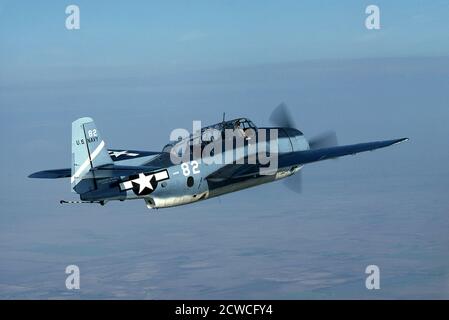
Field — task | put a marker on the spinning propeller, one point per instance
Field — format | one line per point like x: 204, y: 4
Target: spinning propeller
x: 281, y: 117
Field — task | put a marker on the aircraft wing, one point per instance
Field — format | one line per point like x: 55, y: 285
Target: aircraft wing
x: 232, y: 171
x: 237, y: 171
x: 125, y: 154
x: 107, y: 171
x: 309, y: 156
x: 52, y: 174
x: 117, y: 155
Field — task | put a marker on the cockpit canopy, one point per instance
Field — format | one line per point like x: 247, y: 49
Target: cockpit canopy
x: 239, y: 123
x: 242, y: 123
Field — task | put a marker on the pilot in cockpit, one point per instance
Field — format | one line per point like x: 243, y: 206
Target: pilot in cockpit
x: 238, y: 127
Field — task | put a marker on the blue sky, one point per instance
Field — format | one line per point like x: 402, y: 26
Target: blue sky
x: 167, y: 35
x: 144, y: 68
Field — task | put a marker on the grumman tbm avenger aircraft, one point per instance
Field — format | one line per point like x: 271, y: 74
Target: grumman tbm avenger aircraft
x: 214, y: 160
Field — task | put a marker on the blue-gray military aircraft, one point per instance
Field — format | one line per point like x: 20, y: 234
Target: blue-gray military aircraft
x: 225, y: 157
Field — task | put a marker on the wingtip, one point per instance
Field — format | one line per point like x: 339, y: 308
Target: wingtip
x: 397, y: 141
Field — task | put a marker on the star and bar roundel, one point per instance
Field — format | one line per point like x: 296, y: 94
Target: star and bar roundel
x: 144, y: 183
x: 116, y: 154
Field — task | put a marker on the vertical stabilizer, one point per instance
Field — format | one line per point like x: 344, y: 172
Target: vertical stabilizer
x: 88, y: 151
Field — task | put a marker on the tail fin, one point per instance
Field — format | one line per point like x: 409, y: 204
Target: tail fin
x: 88, y: 152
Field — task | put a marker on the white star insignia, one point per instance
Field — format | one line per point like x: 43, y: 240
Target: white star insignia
x: 117, y: 154
x: 144, y: 182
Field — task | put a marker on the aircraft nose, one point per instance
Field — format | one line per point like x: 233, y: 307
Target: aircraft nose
x: 298, y: 142
x: 292, y: 132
